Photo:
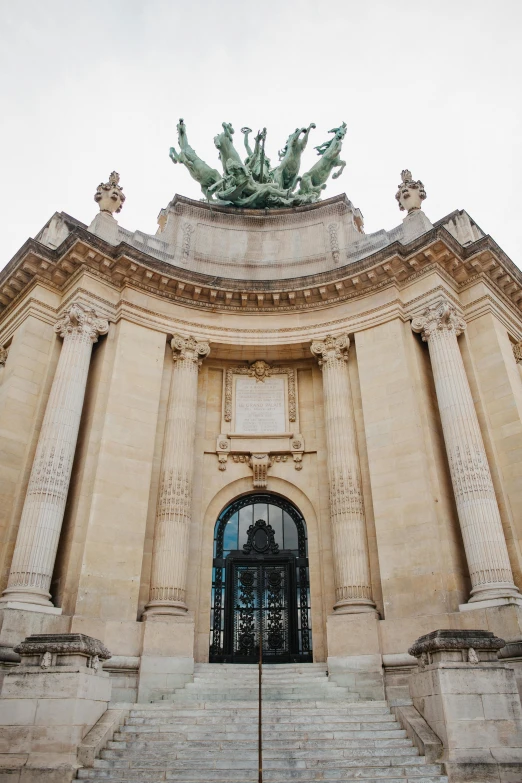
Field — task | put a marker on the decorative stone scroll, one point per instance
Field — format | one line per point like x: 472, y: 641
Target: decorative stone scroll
x: 334, y: 241
x: 187, y: 231
x: 260, y: 370
x: 223, y: 451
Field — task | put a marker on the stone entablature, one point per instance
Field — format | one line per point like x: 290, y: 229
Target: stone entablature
x: 395, y: 265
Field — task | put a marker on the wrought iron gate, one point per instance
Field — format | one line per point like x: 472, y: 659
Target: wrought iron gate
x: 261, y: 591
x: 263, y: 608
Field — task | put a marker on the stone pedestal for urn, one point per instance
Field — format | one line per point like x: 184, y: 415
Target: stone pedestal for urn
x: 470, y: 700
x: 48, y: 704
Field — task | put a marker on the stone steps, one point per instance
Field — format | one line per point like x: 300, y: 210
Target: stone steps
x: 292, y: 709
x: 419, y: 774
x: 274, y: 720
x: 181, y: 752
x: 207, y: 733
x: 249, y: 694
x: 244, y: 745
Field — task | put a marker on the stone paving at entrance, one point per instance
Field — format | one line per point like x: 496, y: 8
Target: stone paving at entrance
x: 313, y: 730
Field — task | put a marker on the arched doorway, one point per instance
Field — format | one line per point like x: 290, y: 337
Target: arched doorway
x: 260, y: 583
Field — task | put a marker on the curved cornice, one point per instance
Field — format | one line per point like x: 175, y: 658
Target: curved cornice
x: 126, y: 265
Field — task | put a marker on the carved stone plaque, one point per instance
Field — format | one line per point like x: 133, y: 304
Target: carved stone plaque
x: 260, y: 407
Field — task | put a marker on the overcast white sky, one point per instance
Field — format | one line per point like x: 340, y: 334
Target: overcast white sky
x: 88, y: 86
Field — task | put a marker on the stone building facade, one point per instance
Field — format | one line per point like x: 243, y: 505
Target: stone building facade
x: 363, y: 390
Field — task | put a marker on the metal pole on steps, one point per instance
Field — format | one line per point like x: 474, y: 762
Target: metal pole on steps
x: 260, y: 720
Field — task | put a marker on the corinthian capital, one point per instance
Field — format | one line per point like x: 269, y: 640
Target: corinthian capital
x: 438, y: 317
x: 189, y: 349
x: 517, y: 353
x: 81, y: 320
x: 331, y: 348
x: 3, y: 356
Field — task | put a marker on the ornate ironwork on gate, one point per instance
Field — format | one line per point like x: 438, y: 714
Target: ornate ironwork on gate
x: 260, y: 583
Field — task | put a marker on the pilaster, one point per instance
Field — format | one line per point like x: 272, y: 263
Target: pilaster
x: 112, y: 556
x: 405, y: 500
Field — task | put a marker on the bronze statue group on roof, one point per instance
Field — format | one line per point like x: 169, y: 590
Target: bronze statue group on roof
x: 253, y: 183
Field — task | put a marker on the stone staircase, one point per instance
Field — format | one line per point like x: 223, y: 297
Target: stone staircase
x: 313, y: 730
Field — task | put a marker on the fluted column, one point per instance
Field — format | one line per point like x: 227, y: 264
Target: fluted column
x: 44, y: 506
x: 477, y: 508
x: 350, y: 550
x: 173, y: 513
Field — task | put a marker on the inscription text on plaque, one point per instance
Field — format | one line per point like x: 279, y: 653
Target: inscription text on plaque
x: 260, y: 406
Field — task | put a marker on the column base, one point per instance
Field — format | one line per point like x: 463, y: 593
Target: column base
x: 355, y: 606
x: 487, y: 603
x: 164, y: 609
x: 30, y: 607
x: 31, y: 599
x: 498, y: 594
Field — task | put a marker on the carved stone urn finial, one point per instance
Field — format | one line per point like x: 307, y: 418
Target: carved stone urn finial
x: 109, y: 195
x: 410, y: 193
